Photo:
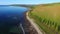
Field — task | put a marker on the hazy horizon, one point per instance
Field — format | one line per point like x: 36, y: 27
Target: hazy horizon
x: 8, y: 2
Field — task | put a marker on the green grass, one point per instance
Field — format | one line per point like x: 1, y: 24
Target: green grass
x: 43, y: 26
x: 47, y: 17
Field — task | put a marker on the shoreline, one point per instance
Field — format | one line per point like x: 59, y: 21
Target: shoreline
x: 33, y: 24
x: 28, y: 28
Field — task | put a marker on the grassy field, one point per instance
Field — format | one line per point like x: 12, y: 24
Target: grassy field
x: 47, y: 16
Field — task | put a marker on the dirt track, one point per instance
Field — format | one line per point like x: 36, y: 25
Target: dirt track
x: 28, y: 27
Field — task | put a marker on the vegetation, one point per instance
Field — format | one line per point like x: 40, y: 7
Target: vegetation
x: 47, y: 16
x: 23, y: 5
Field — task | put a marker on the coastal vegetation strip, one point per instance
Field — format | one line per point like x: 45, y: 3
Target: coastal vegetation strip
x: 47, y: 17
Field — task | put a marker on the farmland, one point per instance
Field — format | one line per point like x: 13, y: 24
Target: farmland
x: 47, y: 17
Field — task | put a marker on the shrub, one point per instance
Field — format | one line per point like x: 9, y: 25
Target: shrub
x: 55, y: 25
x: 40, y: 19
x: 58, y: 27
x: 43, y: 20
x: 48, y: 22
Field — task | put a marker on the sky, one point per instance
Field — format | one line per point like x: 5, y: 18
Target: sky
x: 7, y: 2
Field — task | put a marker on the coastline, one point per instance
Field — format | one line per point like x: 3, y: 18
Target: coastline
x: 34, y: 25
x: 28, y: 28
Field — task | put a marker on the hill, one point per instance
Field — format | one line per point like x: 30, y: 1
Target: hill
x: 23, y: 5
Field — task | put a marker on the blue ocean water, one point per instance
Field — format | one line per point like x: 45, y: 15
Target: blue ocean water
x: 10, y: 16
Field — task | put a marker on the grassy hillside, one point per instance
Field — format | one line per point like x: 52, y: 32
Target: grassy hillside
x: 47, y: 16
